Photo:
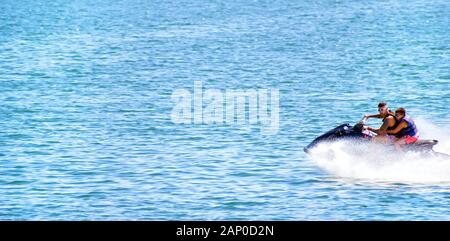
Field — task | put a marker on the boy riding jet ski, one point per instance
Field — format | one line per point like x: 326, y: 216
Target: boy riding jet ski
x: 406, y: 131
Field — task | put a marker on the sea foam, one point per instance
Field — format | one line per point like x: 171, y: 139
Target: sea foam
x: 367, y: 161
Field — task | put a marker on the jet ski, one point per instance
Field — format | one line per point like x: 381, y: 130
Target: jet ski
x: 358, y: 132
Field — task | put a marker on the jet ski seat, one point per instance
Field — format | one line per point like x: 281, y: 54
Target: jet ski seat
x: 426, y: 142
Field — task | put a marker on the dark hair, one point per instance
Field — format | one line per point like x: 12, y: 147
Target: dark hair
x: 401, y: 110
x: 382, y: 104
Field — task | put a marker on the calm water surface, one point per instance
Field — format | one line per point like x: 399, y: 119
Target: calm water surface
x: 85, y: 103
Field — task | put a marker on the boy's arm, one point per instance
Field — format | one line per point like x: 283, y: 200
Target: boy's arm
x: 399, y: 128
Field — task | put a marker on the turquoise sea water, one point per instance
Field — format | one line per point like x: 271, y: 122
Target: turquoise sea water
x: 85, y: 93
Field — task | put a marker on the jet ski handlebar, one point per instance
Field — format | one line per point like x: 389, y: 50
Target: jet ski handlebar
x: 361, y: 126
x: 362, y: 121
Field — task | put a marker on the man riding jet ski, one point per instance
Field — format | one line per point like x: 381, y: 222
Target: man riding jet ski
x: 389, y: 122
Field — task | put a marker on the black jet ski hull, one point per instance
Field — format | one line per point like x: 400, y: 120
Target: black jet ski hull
x: 356, y: 133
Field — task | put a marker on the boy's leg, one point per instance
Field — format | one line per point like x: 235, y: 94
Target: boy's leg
x: 399, y: 142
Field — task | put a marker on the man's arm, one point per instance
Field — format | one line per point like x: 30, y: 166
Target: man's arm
x: 372, y: 116
x: 387, y: 122
x: 383, y: 127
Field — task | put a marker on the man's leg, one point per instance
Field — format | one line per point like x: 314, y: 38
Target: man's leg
x: 384, y: 139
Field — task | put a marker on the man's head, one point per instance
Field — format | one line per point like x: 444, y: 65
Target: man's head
x: 400, y: 113
x: 383, y: 108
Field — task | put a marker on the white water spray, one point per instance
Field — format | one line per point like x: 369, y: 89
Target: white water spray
x: 368, y: 161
